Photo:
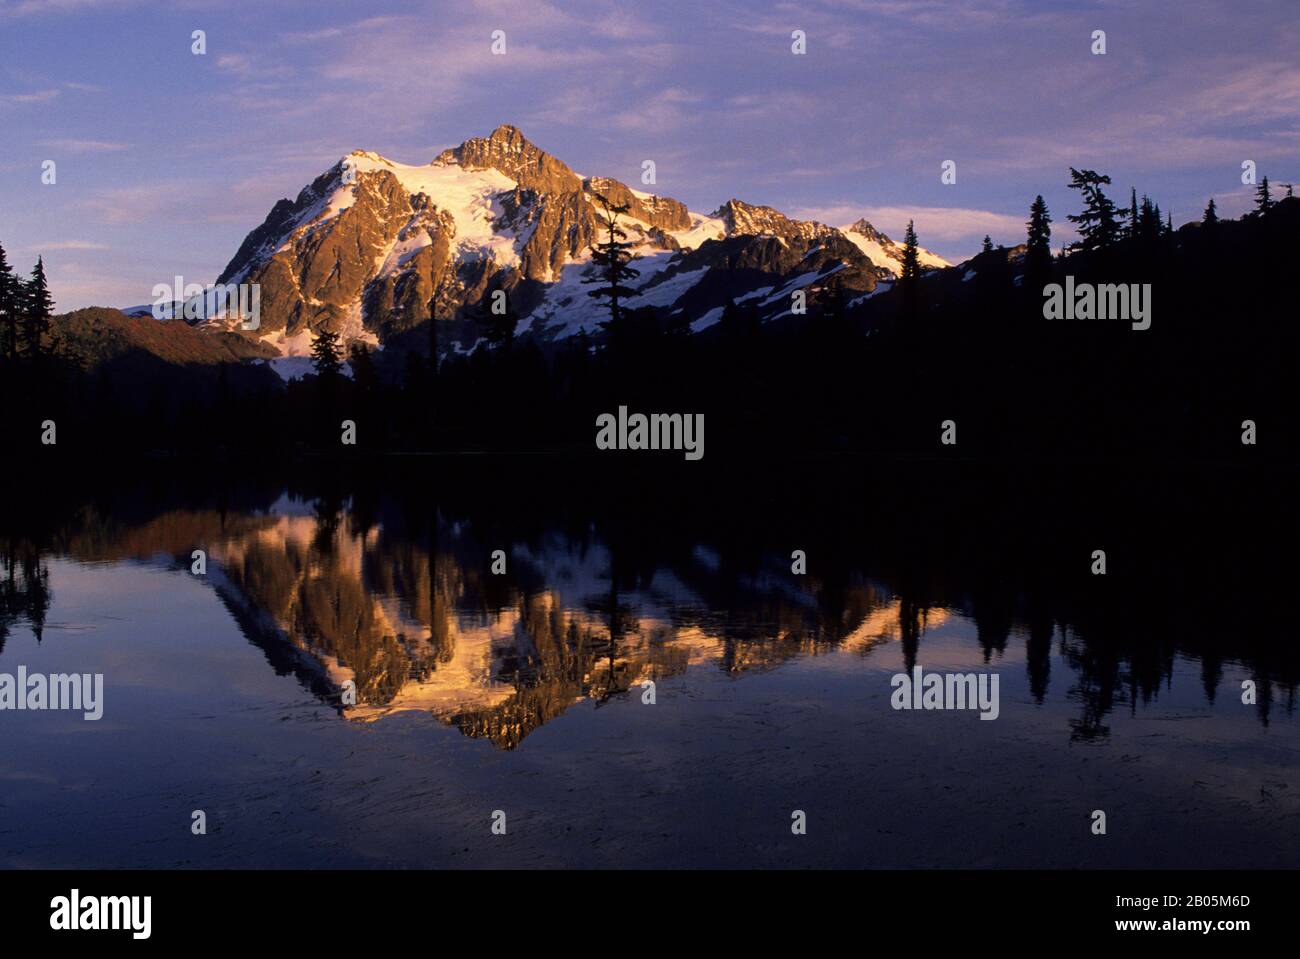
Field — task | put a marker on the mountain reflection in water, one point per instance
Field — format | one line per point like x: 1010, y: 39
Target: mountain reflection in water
x: 527, y: 691
x: 391, y: 595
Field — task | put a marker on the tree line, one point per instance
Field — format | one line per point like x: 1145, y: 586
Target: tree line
x: 26, y: 308
x: 879, y: 376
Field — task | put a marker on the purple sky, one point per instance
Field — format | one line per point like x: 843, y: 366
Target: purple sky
x: 165, y: 160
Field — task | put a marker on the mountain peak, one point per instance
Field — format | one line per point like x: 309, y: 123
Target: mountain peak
x: 863, y: 226
x: 505, y: 140
x: 508, y: 131
x: 508, y: 151
x: 743, y: 218
x: 883, y: 251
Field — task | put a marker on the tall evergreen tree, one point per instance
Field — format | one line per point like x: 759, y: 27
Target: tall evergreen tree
x: 988, y: 244
x: 37, y: 310
x: 496, y: 318
x: 612, y: 258
x: 10, y: 307
x: 1263, y: 199
x: 1211, y: 214
x: 1098, y: 224
x: 1132, y: 212
x: 365, y: 373
x: 433, y: 335
x: 910, y: 275
x: 325, y: 354
x: 730, y: 322
x: 1149, y: 226
x: 1038, y: 255
x: 911, y: 267
x: 739, y: 324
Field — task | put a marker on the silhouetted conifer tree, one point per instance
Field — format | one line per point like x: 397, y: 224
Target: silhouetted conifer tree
x: 910, y: 274
x: 325, y: 353
x: 1038, y: 256
x: 498, y: 328
x: 1098, y: 224
x: 911, y: 260
x: 1149, y: 226
x: 364, y: 372
x: 10, y: 307
x: 678, y: 325
x: 611, y: 259
x: 731, y: 320
x: 1263, y: 199
x: 988, y: 244
x: 1211, y: 214
x: 37, y: 310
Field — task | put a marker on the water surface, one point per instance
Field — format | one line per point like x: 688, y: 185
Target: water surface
x: 527, y: 692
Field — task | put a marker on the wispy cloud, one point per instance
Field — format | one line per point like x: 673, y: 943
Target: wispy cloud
x: 36, y: 96
x: 330, y: 33
x: 937, y: 223
x: 28, y: 8
x: 660, y: 111
x: 83, y: 146
x: 68, y: 245
x: 173, y: 200
x: 252, y: 68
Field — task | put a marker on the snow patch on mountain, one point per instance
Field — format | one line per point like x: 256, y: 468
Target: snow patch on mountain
x: 469, y: 196
x: 884, y: 252
x: 708, y: 319
x: 569, y: 308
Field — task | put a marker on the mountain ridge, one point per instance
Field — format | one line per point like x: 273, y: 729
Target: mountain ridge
x: 370, y: 244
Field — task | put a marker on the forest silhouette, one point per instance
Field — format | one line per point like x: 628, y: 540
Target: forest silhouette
x: 876, y: 376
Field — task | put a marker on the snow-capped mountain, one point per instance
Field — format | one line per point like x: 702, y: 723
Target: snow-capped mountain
x: 372, y: 247
x: 883, y: 251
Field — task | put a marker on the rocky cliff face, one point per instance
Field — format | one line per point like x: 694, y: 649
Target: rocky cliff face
x: 746, y: 219
x: 373, y: 248
x: 508, y: 152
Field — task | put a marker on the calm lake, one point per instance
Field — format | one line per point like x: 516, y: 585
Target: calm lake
x: 648, y: 683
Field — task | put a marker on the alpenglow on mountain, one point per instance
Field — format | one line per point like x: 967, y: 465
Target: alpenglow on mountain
x: 371, y: 247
